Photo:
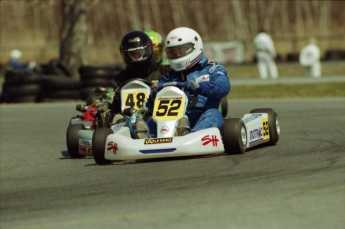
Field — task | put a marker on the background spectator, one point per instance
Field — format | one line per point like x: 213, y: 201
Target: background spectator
x: 15, y: 63
x: 265, y: 55
x: 310, y: 59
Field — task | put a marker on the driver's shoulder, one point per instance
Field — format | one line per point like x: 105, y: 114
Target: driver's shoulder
x: 212, y: 66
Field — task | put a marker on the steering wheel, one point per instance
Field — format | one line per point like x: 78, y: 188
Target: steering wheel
x: 192, y: 99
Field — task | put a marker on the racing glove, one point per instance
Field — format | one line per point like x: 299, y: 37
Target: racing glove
x: 191, y: 86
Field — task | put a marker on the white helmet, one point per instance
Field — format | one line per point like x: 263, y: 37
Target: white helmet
x: 184, y: 48
x: 15, y: 54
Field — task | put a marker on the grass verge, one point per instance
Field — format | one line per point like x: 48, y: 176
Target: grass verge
x: 288, y: 91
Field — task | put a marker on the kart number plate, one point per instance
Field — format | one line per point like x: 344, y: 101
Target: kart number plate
x: 168, y: 108
x: 134, y: 99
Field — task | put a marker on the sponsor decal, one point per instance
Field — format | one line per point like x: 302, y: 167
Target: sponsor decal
x: 255, y: 134
x: 170, y: 98
x: 150, y: 141
x: 210, y: 139
x: 265, y: 127
x: 112, y: 146
x: 164, y: 130
x: 260, y: 134
x: 85, y: 146
x: 85, y: 149
x: 203, y: 78
x: 85, y: 142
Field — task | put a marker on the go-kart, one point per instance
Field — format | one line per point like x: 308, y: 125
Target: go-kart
x: 134, y: 94
x: 260, y: 126
x: 79, y: 132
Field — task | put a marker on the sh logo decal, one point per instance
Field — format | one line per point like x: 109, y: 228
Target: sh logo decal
x: 210, y: 139
x: 112, y: 146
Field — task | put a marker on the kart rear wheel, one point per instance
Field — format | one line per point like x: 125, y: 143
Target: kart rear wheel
x: 224, y: 107
x: 72, y: 140
x: 273, y: 124
x: 98, y: 145
x: 234, y: 136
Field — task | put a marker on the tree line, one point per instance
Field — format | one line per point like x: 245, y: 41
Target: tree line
x: 44, y: 28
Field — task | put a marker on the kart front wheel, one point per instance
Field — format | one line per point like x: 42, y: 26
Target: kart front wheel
x: 234, y: 136
x: 273, y: 124
x: 72, y: 140
x: 99, y: 138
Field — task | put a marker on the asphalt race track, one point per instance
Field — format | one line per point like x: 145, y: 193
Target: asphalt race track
x: 299, y: 183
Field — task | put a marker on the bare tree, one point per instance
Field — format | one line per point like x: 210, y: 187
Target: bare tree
x: 135, y: 21
x: 73, y: 38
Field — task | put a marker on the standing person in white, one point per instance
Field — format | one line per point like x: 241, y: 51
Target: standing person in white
x: 310, y: 59
x: 265, y: 54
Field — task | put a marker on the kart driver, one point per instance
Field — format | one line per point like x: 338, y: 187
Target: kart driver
x: 207, y: 80
x: 137, y: 53
x: 158, y: 45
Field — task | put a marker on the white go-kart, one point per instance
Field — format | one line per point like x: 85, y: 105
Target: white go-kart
x: 260, y: 126
x: 133, y: 95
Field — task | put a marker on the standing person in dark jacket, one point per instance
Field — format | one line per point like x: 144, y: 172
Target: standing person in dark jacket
x: 208, y: 80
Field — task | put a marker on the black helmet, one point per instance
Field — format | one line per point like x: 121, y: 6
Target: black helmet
x: 136, y: 50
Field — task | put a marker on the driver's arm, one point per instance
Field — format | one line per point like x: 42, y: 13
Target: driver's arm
x: 218, y: 86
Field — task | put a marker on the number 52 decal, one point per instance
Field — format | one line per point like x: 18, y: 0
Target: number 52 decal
x: 168, y: 108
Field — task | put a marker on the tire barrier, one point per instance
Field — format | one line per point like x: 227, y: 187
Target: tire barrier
x: 292, y: 57
x: 20, y: 87
x: 93, y: 77
x: 53, y: 82
x: 59, y: 88
x: 55, y: 67
x: 335, y: 55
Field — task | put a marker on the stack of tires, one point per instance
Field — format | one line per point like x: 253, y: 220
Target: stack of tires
x: 21, y: 87
x: 59, y: 88
x: 335, y: 54
x: 48, y: 82
x: 54, y: 82
x: 93, y: 77
x: 57, y: 83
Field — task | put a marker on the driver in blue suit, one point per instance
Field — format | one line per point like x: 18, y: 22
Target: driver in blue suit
x: 196, y: 76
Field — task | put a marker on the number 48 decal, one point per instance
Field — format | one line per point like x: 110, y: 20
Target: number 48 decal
x: 166, y: 109
x: 135, y: 100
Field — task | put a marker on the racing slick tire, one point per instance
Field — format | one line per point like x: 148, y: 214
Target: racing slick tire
x: 234, y: 136
x: 72, y: 140
x: 224, y: 107
x: 273, y: 124
x: 99, y: 138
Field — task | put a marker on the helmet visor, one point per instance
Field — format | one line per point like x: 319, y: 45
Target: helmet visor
x: 137, y: 54
x: 179, y: 51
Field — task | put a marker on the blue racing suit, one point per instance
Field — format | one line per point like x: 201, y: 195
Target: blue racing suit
x: 214, y: 85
